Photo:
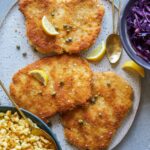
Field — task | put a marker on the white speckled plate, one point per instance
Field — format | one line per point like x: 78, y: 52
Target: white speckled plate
x: 12, y: 33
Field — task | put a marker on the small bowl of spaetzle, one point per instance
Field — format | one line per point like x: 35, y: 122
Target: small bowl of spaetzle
x: 15, y: 133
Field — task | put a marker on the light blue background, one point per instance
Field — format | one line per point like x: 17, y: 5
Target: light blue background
x: 138, y: 137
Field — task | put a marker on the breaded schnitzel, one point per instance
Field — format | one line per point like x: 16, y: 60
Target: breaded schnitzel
x: 69, y: 76
x: 92, y: 126
x: 77, y: 21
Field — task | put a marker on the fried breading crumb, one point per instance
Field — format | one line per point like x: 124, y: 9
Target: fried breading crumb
x: 92, y: 126
x: 69, y: 85
x: 77, y: 21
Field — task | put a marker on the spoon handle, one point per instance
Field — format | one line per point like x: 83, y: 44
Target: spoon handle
x: 114, y: 4
x: 119, y: 10
x: 113, y: 15
x: 16, y: 106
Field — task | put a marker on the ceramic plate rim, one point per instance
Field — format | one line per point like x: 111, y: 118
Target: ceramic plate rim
x: 5, y: 10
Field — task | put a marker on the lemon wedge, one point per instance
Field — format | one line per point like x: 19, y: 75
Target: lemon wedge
x: 98, y: 53
x: 131, y: 65
x: 40, y: 75
x: 48, y: 27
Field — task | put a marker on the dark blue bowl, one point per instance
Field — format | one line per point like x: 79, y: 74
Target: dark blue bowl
x: 36, y: 120
x: 125, y: 38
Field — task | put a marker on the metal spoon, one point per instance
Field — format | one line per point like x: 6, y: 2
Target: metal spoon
x: 113, y: 42
x: 114, y: 4
x: 34, y: 130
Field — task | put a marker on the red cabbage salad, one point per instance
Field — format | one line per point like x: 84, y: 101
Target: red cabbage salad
x: 138, y: 26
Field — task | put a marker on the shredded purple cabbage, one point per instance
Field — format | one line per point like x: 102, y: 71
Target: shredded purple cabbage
x: 138, y: 26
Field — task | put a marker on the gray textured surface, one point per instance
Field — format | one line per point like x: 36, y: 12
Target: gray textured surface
x: 139, y: 136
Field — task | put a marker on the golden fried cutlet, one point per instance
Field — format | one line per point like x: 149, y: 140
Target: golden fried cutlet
x: 92, y: 126
x: 70, y: 77
x: 77, y: 21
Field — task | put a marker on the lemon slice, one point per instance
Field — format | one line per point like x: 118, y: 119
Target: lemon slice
x: 98, y: 53
x: 40, y: 75
x: 48, y: 27
x: 131, y: 65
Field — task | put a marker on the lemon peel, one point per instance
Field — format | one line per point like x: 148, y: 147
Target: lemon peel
x: 48, y: 27
x: 98, y: 53
x: 40, y: 75
x: 131, y: 65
